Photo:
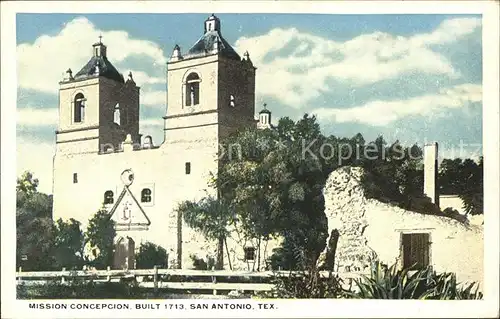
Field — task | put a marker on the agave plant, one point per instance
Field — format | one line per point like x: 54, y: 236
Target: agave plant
x: 394, y: 283
x: 389, y: 283
x: 446, y: 287
x: 469, y: 292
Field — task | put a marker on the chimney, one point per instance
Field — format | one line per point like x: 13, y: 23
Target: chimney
x: 431, y: 187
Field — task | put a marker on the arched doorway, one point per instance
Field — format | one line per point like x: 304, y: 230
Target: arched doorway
x: 124, y: 257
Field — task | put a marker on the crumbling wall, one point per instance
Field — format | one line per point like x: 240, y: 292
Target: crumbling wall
x: 345, y: 208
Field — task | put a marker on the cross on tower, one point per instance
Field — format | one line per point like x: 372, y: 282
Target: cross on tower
x: 100, y: 38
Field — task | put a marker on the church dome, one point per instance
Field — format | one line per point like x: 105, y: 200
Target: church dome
x: 99, y: 65
x: 212, y: 42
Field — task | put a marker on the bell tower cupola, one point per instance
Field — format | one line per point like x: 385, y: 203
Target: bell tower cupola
x: 264, y: 118
x: 99, y: 48
x: 212, y: 24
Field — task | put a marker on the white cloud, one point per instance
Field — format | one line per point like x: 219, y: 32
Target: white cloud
x: 152, y: 122
x: 36, y: 156
x: 153, y: 98
x: 142, y: 78
x: 302, y: 74
x: 41, y: 65
x: 37, y: 117
x: 381, y: 112
x: 448, y: 31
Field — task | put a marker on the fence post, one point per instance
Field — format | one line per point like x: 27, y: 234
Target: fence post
x: 108, y: 278
x: 155, y: 278
x: 214, y: 280
x: 19, y: 280
x: 63, y: 280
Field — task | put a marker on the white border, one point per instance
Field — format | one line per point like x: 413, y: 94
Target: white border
x: 286, y: 308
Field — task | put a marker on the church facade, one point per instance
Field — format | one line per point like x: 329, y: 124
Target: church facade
x: 102, y: 160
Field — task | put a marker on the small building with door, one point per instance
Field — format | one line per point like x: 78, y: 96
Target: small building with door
x: 368, y: 230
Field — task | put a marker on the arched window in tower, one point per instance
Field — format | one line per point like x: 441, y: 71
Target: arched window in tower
x: 116, y: 114
x: 192, y: 89
x: 263, y: 118
x: 79, y: 108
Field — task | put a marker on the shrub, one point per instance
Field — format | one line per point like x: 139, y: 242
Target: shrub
x: 80, y: 290
x: 391, y: 283
x: 151, y: 255
x: 201, y: 264
x: 306, y: 285
x: 100, y: 235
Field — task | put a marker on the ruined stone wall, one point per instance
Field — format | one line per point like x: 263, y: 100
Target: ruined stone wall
x: 372, y: 230
x: 345, y: 208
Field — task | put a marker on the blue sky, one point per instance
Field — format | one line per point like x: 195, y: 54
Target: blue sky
x: 415, y: 78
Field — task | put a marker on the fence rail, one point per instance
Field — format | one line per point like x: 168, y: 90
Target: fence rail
x: 184, y: 279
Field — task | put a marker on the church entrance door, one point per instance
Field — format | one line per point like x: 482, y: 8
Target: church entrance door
x: 124, y: 257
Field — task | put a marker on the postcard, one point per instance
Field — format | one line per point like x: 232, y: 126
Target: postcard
x: 250, y: 159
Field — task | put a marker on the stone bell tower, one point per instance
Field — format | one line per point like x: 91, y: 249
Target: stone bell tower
x: 211, y: 94
x: 97, y: 107
x: 211, y: 89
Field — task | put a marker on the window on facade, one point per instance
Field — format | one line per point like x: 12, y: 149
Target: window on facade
x: 232, y: 103
x: 249, y: 253
x: 188, y: 168
x: 75, y: 178
x: 116, y: 114
x: 108, y: 197
x: 415, y: 250
x: 192, y: 89
x: 79, y: 108
x: 146, y: 195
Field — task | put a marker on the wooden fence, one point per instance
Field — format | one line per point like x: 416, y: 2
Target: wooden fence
x: 174, y: 279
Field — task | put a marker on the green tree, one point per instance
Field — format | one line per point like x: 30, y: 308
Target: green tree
x: 100, y: 236
x: 34, y: 241
x: 394, y: 173
x: 27, y: 184
x: 34, y: 226
x: 276, y: 188
x: 151, y: 255
x: 68, y: 244
x: 463, y: 177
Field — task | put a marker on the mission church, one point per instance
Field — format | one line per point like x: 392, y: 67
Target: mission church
x: 102, y: 159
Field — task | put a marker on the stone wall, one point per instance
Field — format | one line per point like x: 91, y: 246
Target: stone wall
x: 372, y: 230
